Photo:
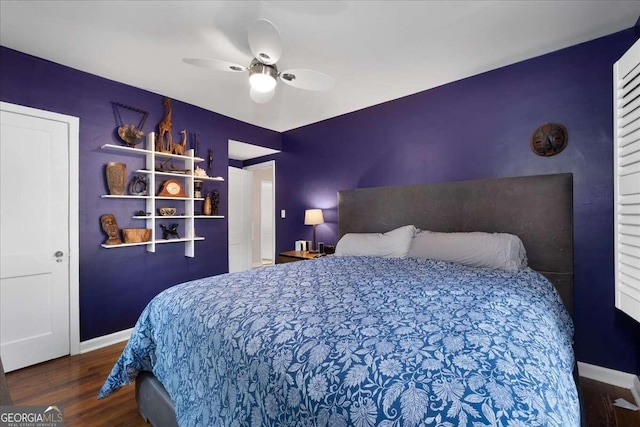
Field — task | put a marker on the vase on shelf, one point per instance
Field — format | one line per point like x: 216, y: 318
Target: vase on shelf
x: 116, y: 178
x: 197, y: 186
x: 206, y: 206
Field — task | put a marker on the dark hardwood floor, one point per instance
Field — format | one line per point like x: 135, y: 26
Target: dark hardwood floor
x: 598, y: 404
x: 73, y: 383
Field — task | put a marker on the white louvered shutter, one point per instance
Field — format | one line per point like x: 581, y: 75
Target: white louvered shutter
x: 626, y: 155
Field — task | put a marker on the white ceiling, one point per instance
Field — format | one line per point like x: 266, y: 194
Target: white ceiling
x: 243, y: 151
x: 375, y: 50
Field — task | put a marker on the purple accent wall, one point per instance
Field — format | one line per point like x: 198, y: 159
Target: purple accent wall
x: 236, y: 163
x: 116, y: 284
x: 474, y: 128
x: 479, y: 128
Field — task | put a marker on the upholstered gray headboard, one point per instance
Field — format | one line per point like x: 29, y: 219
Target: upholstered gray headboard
x: 538, y: 209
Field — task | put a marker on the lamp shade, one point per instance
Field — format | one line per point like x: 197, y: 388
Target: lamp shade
x: 313, y: 217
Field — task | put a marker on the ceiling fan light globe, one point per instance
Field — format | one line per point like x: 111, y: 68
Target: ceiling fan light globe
x: 261, y: 97
x: 262, y: 82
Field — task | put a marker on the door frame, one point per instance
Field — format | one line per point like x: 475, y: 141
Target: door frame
x: 266, y: 165
x: 263, y: 184
x: 73, y: 125
x: 245, y: 203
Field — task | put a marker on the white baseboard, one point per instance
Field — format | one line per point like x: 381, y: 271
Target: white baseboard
x: 105, y: 341
x: 635, y: 390
x: 608, y: 376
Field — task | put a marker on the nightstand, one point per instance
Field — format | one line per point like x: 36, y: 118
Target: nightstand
x: 291, y: 256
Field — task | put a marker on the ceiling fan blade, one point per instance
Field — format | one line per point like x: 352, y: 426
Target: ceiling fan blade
x: 215, y: 64
x: 261, y: 97
x: 265, y: 41
x: 306, y: 79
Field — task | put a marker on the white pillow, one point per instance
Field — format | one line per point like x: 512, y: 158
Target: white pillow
x: 392, y: 244
x: 475, y: 249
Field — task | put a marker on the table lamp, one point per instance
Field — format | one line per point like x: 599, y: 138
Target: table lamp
x: 313, y: 217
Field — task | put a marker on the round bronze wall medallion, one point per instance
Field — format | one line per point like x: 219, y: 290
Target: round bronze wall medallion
x: 549, y: 139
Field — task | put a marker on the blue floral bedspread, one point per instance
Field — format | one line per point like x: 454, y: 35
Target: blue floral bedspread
x: 359, y: 341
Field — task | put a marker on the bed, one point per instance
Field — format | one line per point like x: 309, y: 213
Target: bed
x: 376, y: 341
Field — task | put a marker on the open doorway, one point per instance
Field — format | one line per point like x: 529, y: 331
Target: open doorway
x: 262, y: 214
x: 252, y: 204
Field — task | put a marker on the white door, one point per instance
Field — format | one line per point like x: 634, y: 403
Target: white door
x: 239, y: 220
x: 266, y: 220
x: 626, y: 178
x: 34, y: 239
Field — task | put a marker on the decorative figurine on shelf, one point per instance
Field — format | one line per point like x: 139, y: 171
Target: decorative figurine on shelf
x: 116, y: 174
x: 138, y: 185
x: 215, y: 200
x: 195, y: 141
x: 179, y: 148
x: 197, y: 183
x: 168, y: 166
x: 206, y: 205
x: 164, y: 129
x: 210, y: 159
x: 171, y: 230
x: 110, y: 227
x: 130, y: 134
x: 164, y: 143
x: 197, y: 188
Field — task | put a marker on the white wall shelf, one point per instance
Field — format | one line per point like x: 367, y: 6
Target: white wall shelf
x: 173, y: 198
x: 124, y: 196
x: 124, y: 245
x: 173, y: 174
x: 150, y: 149
x: 188, y: 162
x: 178, y: 217
x: 184, y: 239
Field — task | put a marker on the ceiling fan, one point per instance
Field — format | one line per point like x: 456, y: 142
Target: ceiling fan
x: 266, y: 46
